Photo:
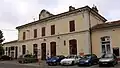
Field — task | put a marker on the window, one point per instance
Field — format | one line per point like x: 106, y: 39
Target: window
x: 23, y: 35
x: 52, y: 29
x: 12, y: 48
x: 43, y: 31
x: 105, y: 41
x: 72, y: 25
x: 64, y: 42
x: 35, y: 33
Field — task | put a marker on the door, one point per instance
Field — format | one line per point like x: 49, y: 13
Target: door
x: 53, y: 48
x: 16, y: 52
x: 12, y: 54
x: 43, y: 51
x: 116, y: 51
x: 23, y: 49
x: 73, y: 47
x: 35, y: 50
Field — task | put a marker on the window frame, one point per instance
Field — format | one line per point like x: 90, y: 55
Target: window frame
x: 35, y: 33
x: 24, y: 35
x: 52, y: 29
x: 72, y: 25
x: 43, y: 31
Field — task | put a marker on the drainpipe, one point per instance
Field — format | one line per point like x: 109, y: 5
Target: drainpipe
x: 90, y: 32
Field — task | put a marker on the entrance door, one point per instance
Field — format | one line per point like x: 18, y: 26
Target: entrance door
x: 73, y: 47
x: 116, y: 51
x: 16, y: 52
x: 35, y: 50
x: 23, y: 49
x: 43, y: 51
x: 53, y: 48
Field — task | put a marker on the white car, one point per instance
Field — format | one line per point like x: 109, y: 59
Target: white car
x: 70, y: 60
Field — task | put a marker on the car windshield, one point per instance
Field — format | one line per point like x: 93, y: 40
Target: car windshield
x: 107, y: 56
x: 87, y: 56
x: 71, y: 56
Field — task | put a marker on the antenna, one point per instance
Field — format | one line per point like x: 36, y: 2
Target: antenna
x: 93, y: 5
x: 34, y: 19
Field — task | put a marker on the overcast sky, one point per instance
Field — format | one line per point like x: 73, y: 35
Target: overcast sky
x: 18, y: 12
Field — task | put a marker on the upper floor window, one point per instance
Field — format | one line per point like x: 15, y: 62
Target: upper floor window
x: 24, y: 35
x: 43, y: 31
x: 72, y: 25
x: 35, y: 33
x: 52, y: 29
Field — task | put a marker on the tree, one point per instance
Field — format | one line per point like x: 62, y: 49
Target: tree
x: 1, y: 45
x: 1, y: 37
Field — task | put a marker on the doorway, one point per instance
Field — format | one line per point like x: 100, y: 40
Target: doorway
x: 16, y: 52
x: 73, y: 47
x: 23, y: 49
x: 116, y: 51
x: 53, y: 48
x: 43, y: 51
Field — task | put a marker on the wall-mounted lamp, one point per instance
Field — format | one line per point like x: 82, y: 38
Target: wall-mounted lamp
x: 44, y: 39
x: 27, y: 30
x: 58, y: 37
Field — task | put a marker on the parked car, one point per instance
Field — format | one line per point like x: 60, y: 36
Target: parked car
x: 70, y: 60
x: 88, y: 59
x: 55, y: 60
x: 108, y: 59
x: 27, y: 58
x: 5, y: 57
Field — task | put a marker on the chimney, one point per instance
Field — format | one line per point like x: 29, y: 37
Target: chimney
x: 71, y: 8
x: 94, y: 8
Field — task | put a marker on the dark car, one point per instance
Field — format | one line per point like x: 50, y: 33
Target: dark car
x: 5, y: 57
x: 88, y: 59
x: 55, y: 60
x: 27, y: 58
x: 108, y: 59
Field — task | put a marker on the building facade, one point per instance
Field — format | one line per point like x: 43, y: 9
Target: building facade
x: 62, y: 34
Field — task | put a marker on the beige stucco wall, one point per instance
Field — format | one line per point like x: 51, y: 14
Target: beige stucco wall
x: 61, y: 26
x: 61, y: 49
x: 114, y: 39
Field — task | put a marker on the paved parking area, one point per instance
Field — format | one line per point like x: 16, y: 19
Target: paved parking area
x: 15, y: 64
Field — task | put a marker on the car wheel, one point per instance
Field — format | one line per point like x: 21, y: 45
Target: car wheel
x: 22, y: 62
x: 72, y: 63
x: 112, y: 64
x: 100, y: 65
x: 89, y: 63
x: 49, y: 64
x: 57, y: 63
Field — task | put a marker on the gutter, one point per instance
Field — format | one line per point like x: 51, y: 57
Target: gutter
x: 90, y: 33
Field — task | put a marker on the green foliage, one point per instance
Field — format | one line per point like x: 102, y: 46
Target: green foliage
x: 1, y: 37
x: 1, y: 50
x: 1, y: 46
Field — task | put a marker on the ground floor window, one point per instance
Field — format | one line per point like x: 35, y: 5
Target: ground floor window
x: 105, y: 44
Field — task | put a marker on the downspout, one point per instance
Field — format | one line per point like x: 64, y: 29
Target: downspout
x: 90, y: 33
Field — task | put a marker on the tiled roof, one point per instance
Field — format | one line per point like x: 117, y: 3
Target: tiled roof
x: 106, y: 25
